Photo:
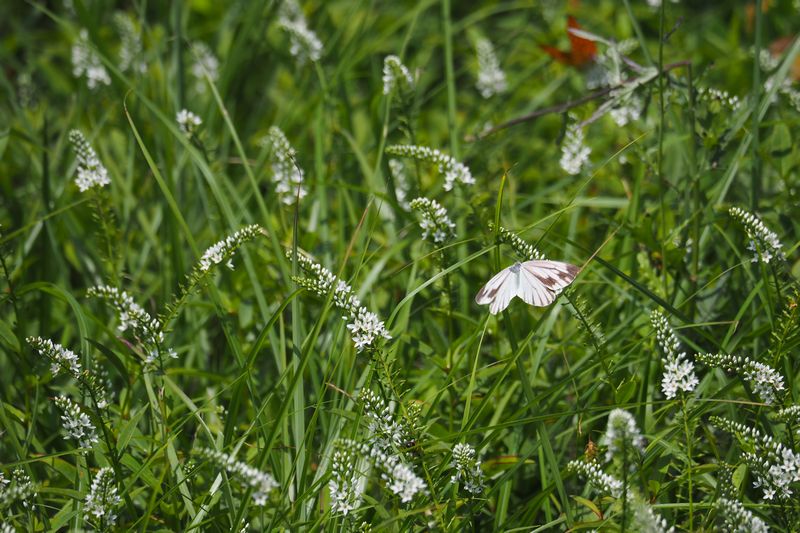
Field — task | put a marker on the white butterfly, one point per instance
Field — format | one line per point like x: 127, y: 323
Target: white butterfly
x: 536, y: 282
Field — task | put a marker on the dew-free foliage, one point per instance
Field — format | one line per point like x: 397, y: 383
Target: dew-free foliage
x: 241, y: 242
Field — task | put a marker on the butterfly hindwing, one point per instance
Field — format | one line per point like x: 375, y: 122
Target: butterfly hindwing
x: 532, y: 291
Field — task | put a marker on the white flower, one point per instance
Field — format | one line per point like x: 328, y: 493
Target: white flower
x: 303, y: 43
x: 723, y: 97
x: 393, y: 72
x: 404, y: 482
x: 261, y: 482
x: 286, y: 174
x: 738, y: 519
x: 434, y: 221
x: 491, y: 78
x: 766, y: 381
x: 775, y: 467
x: 188, y: 122
x: 385, y: 430
x: 76, y: 423
x: 18, y: 488
x: 130, y: 43
x: 346, y: 484
x: 621, y: 434
x: 86, y: 62
x: 400, y: 177
x: 679, y: 372
x: 606, y: 483
x: 205, y: 62
x: 60, y: 358
x: 764, y: 243
x: 90, y: 171
x: 467, y: 468
x: 645, y: 520
x: 102, y: 499
x: 365, y: 327
x: 527, y: 251
x: 453, y: 170
x: 224, y: 249
x: 574, y: 152
x: 132, y: 316
x: 628, y: 109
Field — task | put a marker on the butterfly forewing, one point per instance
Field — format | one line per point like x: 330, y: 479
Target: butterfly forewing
x: 554, y: 275
x: 489, y: 291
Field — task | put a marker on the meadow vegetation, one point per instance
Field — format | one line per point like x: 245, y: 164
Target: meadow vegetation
x: 241, y: 244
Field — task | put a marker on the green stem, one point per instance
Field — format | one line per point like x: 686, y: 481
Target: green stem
x: 755, y: 177
x: 688, y: 460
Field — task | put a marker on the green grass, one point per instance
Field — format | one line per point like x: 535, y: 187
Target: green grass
x: 266, y: 369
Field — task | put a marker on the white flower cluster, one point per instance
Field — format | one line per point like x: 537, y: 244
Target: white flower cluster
x: 18, y: 488
x: 394, y: 73
x: 775, y: 467
x: 60, y: 358
x: 76, y: 423
x: 224, y: 249
x: 522, y: 248
x: 622, y: 435
x: 204, y: 62
x: 365, y: 327
x: 738, y: 519
x: 399, y: 476
x: 491, y: 78
x: 723, y: 97
x: 790, y: 415
x: 627, y: 109
x: 467, y: 468
x: 346, y: 484
x: 766, y: 381
x: 303, y: 42
x: 764, y: 243
x: 188, y: 122
x: 261, y: 482
x: 130, y: 48
x: 286, y: 174
x: 91, y: 171
x: 102, y: 499
x: 86, y: 62
x: 606, y: 483
x: 574, y: 152
x: 63, y: 359
x: 453, y: 170
x: 645, y: 520
x: 678, y: 370
x: 385, y: 430
x: 766, y: 60
x: 400, y: 177
x: 132, y: 316
x: 434, y: 221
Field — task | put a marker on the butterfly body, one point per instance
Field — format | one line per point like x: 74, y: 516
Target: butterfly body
x: 535, y: 282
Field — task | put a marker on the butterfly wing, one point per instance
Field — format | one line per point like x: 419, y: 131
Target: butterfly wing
x: 555, y: 53
x: 541, y: 281
x: 533, y: 291
x: 499, y: 290
x: 583, y: 50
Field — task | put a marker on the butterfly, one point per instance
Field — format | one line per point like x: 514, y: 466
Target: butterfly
x: 582, y: 51
x: 536, y: 282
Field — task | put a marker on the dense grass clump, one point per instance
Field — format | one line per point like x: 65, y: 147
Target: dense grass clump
x: 241, y: 245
